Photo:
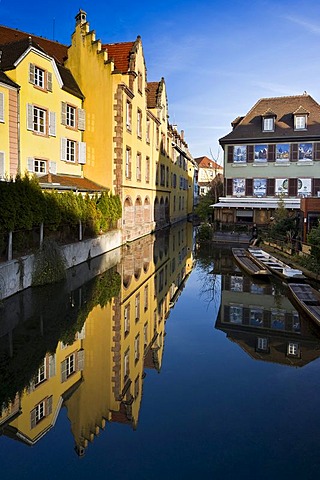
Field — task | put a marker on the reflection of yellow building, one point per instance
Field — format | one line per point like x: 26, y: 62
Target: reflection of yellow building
x: 99, y: 377
x: 261, y: 320
x: 40, y: 404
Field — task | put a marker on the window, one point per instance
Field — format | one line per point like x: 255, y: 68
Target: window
x: 70, y: 365
x: 42, y: 410
x: 71, y: 116
x: 300, y: 122
x: 145, y: 334
x: 126, y: 319
x: 268, y: 124
x: 147, y: 169
x: 137, y: 307
x: 136, y: 387
x: 39, y: 120
x: 126, y: 364
x: 282, y: 152
x: 139, y: 123
x: 139, y: 82
x: 128, y: 115
x: 40, y: 78
x: 148, y: 130
x: 128, y: 163
x: 137, y: 348
x: 40, y: 166
x: 138, y: 166
x: 71, y: 151
x: 162, y: 175
x: 261, y: 153
x: 41, y: 374
x: 293, y: 349
x: 146, y: 297
x: 2, y: 164
x: 262, y: 344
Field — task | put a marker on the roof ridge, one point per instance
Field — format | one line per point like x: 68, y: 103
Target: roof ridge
x: 32, y: 35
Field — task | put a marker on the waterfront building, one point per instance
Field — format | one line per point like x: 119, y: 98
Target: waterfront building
x: 120, y: 137
x: 208, y: 170
x: 45, y: 119
x: 272, y: 152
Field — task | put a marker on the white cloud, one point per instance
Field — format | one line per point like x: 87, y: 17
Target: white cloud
x: 310, y: 27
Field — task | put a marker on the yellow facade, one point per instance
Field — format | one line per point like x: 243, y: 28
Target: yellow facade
x: 8, y: 128
x: 40, y: 117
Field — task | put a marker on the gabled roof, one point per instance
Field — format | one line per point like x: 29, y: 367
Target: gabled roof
x: 5, y: 79
x: 205, y: 162
x: 12, y: 51
x: 284, y: 108
x: 56, y: 50
x: 66, y: 182
x: 120, y: 52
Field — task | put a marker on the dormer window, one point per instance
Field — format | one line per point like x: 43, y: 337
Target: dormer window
x: 300, y: 122
x: 300, y: 118
x: 268, y: 124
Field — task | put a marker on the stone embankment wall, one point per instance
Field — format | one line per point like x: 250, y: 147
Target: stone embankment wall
x: 16, y: 275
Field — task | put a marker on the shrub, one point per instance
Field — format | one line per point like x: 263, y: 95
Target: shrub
x: 50, y: 266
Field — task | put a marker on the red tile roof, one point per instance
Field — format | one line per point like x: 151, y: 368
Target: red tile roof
x: 56, y: 50
x: 206, y: 162
x: 153, y: 88
x: 120, y: 52
x: 65, y: 182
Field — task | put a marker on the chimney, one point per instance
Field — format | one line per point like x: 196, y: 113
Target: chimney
x: 182, y: 134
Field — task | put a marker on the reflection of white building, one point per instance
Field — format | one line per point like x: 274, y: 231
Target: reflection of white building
x: 274, y: 149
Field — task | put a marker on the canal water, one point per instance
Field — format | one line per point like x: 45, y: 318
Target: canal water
x: 158, y: 361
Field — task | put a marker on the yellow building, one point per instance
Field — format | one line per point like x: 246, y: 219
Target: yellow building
x: 9, y: 145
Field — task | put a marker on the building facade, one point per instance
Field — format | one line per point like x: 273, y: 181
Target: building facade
x: 89, y: 111
x: 208, y: 170
x: 272, y: 152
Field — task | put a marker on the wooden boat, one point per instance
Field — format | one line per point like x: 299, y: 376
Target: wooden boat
x: 248, y: 264
x: 275, y: 266
x: 307, y: 298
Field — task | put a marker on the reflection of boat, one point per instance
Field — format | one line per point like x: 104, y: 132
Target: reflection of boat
x: 275, y: 266
x: 307, y: 298
x: 248, y: 264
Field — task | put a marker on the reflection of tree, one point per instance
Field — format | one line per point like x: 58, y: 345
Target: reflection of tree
x: 210, y: 282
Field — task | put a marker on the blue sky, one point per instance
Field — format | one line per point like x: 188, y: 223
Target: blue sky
x: 218, y: 57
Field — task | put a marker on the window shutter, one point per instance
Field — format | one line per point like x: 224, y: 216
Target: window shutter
x: 81, y: 119
x: 316, y: 151
x: 229, y: 186
x: 292, y: 187
x: 53, y: 167
x: 80, y: 360
x: 52, y: 124
x: 1, y: 107
x: 82, y: 152
x: 33, y: 418
x: 271, y: 153
x: 31, y: 73
x: 52, y: 365
x: 2, y: 168
x: 49, y: 405
x: 63, y: 113
x: 249, y: 187
x: 63, y: 371
x: 63, y: 148
x: 29, y: 116
x: 315, y: 186
x: 30, y: 164
x: 294, y: 152
x: 271, y: 183
x: 250, y: 153
x: 49, y: 81
x: 230, y: 154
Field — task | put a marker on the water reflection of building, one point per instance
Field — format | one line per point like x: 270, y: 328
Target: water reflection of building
x: 262, y: 321
x: 97, y: 373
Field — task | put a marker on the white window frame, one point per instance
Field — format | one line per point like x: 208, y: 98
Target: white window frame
x: 40, y: 411
x: 268, y: 124
x: 128, y: 162
x: 129, y: 115
x: 39, y: 118
x: 139, y: 123
x: 41, y: 375
x: 139, y: 164
x: 70, y: 364
x: 137, y: 307
x: 262, y: 343
x: 126, y: 319
x: 126, y: 364
x: 293, y: 349
x: 39, y: 77
x: 137, y: 347
x: 39, y: 166
x: 71, y: 116
x: 300, y: 122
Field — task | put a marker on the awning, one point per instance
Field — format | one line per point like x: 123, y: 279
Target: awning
x: 254, y: 203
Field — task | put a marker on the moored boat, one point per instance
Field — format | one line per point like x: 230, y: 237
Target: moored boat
x: 248, y: 264
x: 276, y: 266
x: 307, y: 298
